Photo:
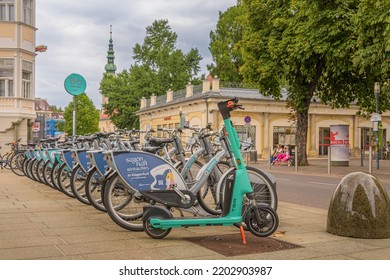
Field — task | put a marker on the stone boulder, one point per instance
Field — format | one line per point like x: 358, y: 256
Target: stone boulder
x: 360, y: 207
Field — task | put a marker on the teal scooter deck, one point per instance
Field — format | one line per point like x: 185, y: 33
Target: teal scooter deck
x: 196, y: 221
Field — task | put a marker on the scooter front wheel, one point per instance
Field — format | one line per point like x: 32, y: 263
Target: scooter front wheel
x: 263, y: 223
x: 156, y: 233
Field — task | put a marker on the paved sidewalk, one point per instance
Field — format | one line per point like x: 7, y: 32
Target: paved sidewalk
x: 37, y: 222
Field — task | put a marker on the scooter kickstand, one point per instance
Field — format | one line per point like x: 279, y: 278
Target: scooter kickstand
x: 242, y: 235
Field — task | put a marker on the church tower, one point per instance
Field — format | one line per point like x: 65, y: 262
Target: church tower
x: 105, y: 123
x: 110, y: 66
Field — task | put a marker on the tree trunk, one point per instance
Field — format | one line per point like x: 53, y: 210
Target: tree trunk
x: 301, y: 137
x: 303, y: 117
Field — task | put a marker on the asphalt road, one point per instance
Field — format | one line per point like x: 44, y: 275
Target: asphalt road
x: 309, y: 190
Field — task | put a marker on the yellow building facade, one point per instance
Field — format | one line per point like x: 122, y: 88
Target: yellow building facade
x: 265, y: 120
x: 17, y: 69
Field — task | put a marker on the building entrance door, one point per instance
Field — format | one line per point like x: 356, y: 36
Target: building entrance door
x: 324, y: 141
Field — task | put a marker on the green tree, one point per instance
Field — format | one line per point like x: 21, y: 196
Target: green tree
x: 124, y: 101
x: 158, y: 66
x: 87, y: 117
x: 372, y: 30
x: 224, y: 46
x: 308, y: 46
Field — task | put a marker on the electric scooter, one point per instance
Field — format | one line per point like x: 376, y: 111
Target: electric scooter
x: 260, y: 219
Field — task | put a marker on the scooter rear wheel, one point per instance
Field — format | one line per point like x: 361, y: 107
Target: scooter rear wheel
x: 267, y: 223
x: 156, y: 233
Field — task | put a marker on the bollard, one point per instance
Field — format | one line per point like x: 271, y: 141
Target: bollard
x: 296, y: 159
x: 370, y: 160
x: 329, y: 160
x: 269, y: 158
x: 253, y: 155
x: 360, y: 207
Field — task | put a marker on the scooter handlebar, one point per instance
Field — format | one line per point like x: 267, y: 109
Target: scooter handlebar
x: 229, y: 105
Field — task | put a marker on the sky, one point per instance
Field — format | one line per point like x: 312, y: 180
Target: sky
x: 76, y: 34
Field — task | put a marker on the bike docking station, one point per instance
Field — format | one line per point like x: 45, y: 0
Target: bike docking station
x: 170, y: 190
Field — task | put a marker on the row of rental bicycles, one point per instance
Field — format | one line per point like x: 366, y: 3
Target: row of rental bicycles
x: 153, y: 184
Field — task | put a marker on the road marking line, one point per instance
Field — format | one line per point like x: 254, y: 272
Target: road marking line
x: 319, y: 183
x: 285, y: 179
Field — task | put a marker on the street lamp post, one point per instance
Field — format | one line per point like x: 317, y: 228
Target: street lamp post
x: 377, y: 90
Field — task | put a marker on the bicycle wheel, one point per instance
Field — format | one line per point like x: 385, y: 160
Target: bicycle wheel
x: 25, y: 167
x: 93, y: 189
x: 263, y: 188
x: 29, y: 169
x: 63, y: 180
x: 16, y: 163
x: 47, y: 170
x: 6, y: 159
x: 207, y: 196
x: 123, y: 205
x: 33, y: 169
x: 39, y: 171
x: 3, y: 163
x: 54, y: 175
x: 77, y: 184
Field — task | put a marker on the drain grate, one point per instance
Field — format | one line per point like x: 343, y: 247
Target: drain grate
x: 231, y: 244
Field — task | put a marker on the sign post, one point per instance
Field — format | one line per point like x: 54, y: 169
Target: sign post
x: 376, y: 119
x: 75, y: 85
x: 247, y: 120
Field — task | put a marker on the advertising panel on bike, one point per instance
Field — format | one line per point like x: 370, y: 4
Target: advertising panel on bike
x: 84, y: 160
x: 42, y: 154
x: 68, y: 158
x: 37, y: 154
x: 145, y: 171
x: 98, y: 160
x: 58, y: 157
x: 51, y: 154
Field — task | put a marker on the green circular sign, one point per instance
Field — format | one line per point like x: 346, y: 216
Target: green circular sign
x: 75, y: 84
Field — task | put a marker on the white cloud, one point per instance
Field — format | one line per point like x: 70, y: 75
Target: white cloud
x: 77, y: 33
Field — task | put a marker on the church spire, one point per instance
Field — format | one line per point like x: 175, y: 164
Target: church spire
x: 110, y: 66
